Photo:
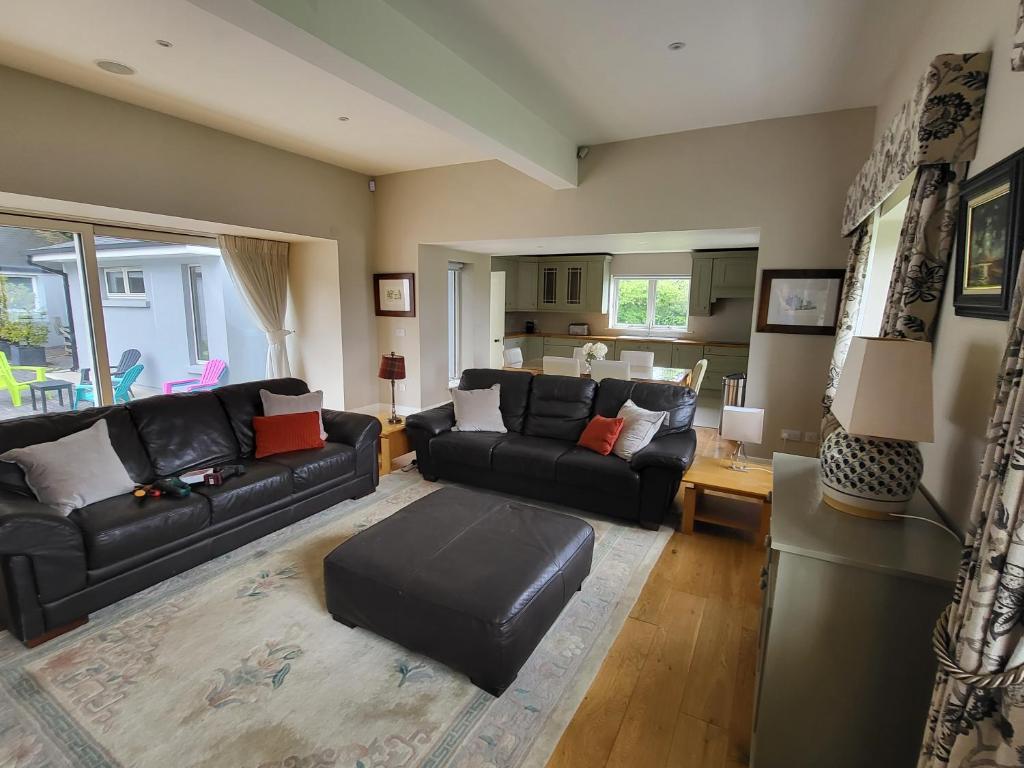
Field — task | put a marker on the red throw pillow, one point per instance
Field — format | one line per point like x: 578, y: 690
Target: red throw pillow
x: 601, y: 434
x: 288, y: 432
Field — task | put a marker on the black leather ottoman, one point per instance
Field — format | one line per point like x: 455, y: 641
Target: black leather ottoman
x: 469, y: 579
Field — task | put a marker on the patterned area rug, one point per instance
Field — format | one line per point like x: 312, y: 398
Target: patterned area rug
x: 237, y: 663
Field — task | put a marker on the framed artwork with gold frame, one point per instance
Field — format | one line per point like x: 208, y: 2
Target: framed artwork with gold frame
x: 990, y: 236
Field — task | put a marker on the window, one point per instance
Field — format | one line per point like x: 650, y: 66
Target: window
x: 651, y: 303
x: 454, y: 319
x: 199, y: 341
x: 124, y: 283
x: 18, y: 294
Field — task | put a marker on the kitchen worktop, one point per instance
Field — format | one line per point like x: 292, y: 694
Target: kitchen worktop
x: 659, y: 339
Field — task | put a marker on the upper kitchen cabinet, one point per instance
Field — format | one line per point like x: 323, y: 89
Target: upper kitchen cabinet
x: 559, y: 283
x: 721, y: 275
x: 509, y: 267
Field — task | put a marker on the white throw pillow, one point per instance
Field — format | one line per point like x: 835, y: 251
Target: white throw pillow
x: 280, y: 405
x: 477, y: 410
x: 639, y: 427
x: 75, y: 471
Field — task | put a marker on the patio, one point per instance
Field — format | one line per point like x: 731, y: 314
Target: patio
x: 9, y: 411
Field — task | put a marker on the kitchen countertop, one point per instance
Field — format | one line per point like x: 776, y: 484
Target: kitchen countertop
x: 645, y: 339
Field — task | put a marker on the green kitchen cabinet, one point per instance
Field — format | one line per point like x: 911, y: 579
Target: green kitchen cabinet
x: 526, y: 285
x: 700, y: 286
x: 734, y: 277
x: 509, y: 267
x: 573, y: 284
x: 662, y: 350
x: 533, y: 348
x: 686, y: 355
x: 721, y: 362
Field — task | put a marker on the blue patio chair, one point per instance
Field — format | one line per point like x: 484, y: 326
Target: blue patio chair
x: 122, y: 388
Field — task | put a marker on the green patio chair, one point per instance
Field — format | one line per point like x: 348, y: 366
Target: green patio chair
x: 11, y: 384
x: 122, y: 388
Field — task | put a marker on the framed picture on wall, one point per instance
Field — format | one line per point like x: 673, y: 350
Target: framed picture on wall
x: 989, y: 239
x: 394, y: 294
x: 800, y: 301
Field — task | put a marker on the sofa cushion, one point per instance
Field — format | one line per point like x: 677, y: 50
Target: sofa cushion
x: 582, y: 468
x: 515, y: 391
x: 286, y: 433
x: 19, y: 433
x: 262, y: 485
x: 560, y: 407
x: 184, y: 431
x: 530, y: 456
x: 473, y: 449
x: 120, y: 528
x: 332, y: 463
x: 679, y: 402
x: 242, y: 402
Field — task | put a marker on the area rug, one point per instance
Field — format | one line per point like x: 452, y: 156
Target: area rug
x: 237, y: 663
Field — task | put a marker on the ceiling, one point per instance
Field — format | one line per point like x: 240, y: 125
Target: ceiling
x: 631, y: 242
x: 592, y: 70
x: 220, y: 76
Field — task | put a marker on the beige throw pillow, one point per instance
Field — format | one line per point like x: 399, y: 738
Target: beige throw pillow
x: 477, y: 410
x: 639, y: 427
x: 280, y: 405
x: 75, y: 471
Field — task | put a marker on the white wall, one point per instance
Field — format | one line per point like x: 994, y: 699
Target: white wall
x: 967, y: 350
x: 789, y: 177
x: 103, y: 152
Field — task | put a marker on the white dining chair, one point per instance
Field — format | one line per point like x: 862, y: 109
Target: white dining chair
x: 637, y: 359
x: 697, y: 375
x: 609, y: 369
x: 561, y: 366
x: 513, y: 356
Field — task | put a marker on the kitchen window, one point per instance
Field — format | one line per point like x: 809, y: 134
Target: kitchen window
x: 124, y: 283
x: 651, y: 304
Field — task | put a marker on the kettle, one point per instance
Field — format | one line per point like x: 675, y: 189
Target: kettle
x: 531, y: 327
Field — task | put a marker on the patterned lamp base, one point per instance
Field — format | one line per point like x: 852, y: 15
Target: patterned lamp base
x: 869, y: 476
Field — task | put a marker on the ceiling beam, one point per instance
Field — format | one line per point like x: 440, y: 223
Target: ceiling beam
x: 372, y: 46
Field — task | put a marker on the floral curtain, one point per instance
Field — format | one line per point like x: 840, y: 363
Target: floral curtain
x: 849, y: 313
x: 1017, y: 56
x: 922, y: 256
x: 972, y: 723
x: 938, y: 124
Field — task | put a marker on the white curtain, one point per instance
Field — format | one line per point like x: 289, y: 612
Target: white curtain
x: 260, y: 270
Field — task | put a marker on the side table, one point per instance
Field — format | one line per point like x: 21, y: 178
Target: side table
x: 394, y: 442
x: 51, y: 385
x: 713, y: 474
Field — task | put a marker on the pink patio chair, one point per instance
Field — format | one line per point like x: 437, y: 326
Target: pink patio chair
x: 212, y: 373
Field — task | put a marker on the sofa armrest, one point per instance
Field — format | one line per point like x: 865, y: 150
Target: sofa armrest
x: 672, y: 452
x: 51, y: 541
x: 355, y: 429
x: 433, y: 421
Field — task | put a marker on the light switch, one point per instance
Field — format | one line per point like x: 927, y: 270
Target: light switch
x: 399, y: 331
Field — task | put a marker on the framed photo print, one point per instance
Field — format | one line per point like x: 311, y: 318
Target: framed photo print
x: 800, y: 301
x: 989, y: 239
x: 394, y: 294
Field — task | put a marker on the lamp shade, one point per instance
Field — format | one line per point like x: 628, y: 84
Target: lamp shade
x: 744, y: 425
x: 392, y: 367
x: 885, y: 390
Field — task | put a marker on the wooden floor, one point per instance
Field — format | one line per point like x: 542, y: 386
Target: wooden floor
x: 677, y: 687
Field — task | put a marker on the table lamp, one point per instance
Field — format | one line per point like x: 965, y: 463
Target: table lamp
x: 871, y: 467
x: 744, y: 425
x: 392, y: 367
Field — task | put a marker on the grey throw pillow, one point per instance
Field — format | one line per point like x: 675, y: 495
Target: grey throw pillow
x: 279, y: 405
x: 639, y: 426
x: 75, y: 471
x: 476, y: 410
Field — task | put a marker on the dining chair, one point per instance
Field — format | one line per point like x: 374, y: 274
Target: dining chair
x: 637, y: 359
x: 561, y: 366
x: 513, y: 356
x: 697, y: 375
x: 609, y: 369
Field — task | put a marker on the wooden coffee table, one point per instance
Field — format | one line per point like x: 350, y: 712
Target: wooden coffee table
x: 394, y: 442
x: 709, y: 473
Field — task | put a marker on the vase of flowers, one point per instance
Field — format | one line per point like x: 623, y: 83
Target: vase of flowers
x: 593, y: 350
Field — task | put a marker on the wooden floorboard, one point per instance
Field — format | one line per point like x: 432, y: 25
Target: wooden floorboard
x: 677, y: 687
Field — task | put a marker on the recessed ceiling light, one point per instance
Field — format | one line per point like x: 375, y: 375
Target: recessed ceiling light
x: 343, y: 119
x: 165, y: 43
x: 114, y: 67
x: 678, y: 45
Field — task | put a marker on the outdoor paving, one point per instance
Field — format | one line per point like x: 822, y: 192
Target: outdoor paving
x: 9, y: 411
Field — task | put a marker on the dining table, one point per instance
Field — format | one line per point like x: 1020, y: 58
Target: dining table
x: 657, y: 374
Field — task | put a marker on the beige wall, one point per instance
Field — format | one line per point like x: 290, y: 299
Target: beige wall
x: 788, y: 177
x: 967, y: 350
x: 62, y: 143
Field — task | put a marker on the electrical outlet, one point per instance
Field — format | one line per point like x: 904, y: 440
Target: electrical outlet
x: 810, y: 437
x: 791, y: 434
x: 400, y: 387
x: 399, y: 331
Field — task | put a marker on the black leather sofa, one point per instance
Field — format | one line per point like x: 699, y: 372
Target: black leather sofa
x: 538, y: 456
x: 56, y: 570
